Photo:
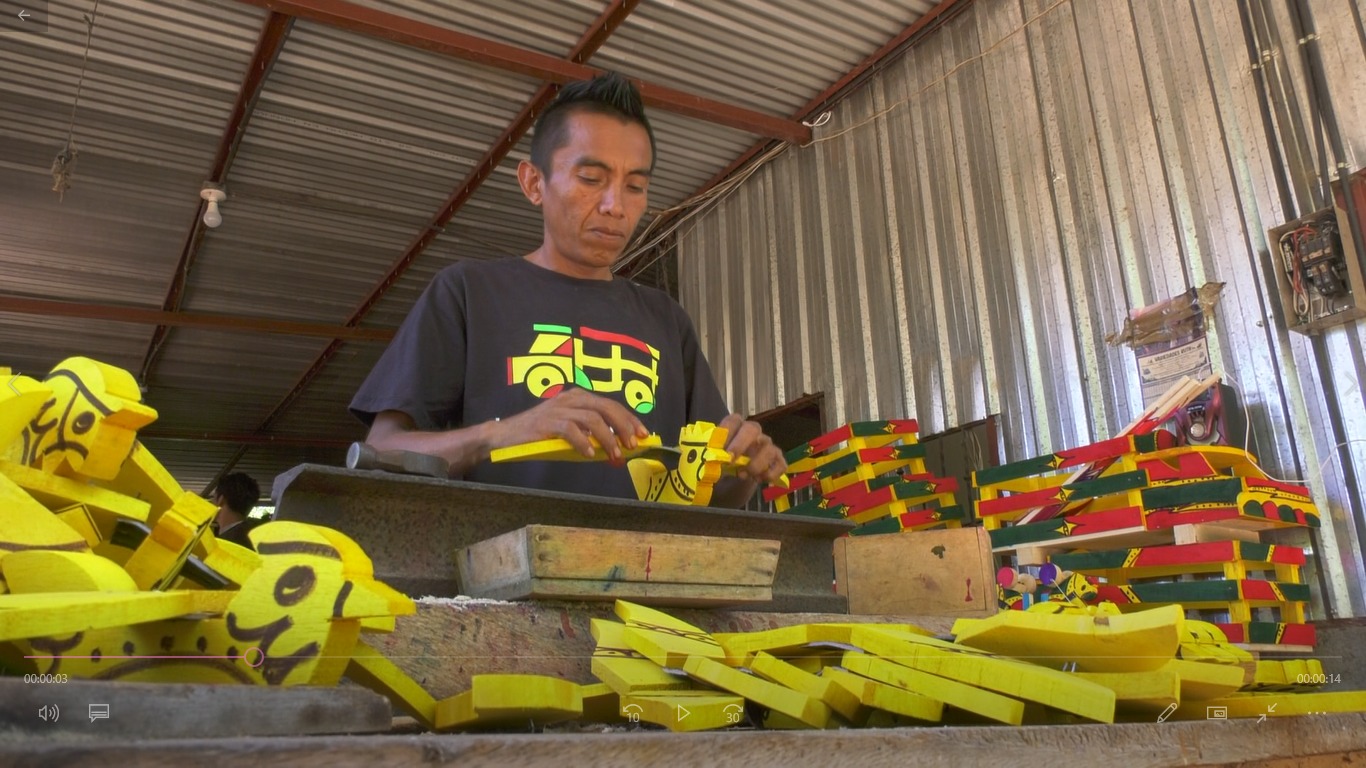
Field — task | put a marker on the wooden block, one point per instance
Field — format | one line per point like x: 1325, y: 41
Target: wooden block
x: 794, y: 704
x: 142, y: 477
x: 663, y: 639
x: 78, y: 517
x: 793, y: 640
x: 839, y: 699
x: 685, y: 711
x: 886, y: 698
x: 55, y: 492
x: 1202, y: 680
x: 143, y: 713
x: 1151, y: 691
x: 502, y: 700
x: 66, y: 613
x: 371, y: 669
x: 40, y: 570
x: 946, y: 573
x: 625, y: 670
x: 157, y: 560
x: 559, y: 449
x: 550, y: 561
x: 1132, y: 642
x: 26, y: 524
x: 1018, y: 679
x: 990, y: 705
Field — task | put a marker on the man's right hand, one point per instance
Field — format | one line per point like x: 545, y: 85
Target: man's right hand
x: 575, y: 415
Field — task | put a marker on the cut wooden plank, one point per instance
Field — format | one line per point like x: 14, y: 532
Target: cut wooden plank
x: 371, y: 669
x: 961, y: 695
x: 501, y: 700
x: 625, y: 670
x: 943, y: 573
x: 552, y: 561
x: 794, y: 704
x: 839, y: 699
x: 1133, y: 642
x: 65, y: 613
x: 146, y: 711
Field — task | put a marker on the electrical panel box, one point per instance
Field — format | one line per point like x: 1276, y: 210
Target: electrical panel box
x: 1319, y: 274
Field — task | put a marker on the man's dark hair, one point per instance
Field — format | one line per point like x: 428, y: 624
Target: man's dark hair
x: 607, y: 94
x: 240, y: 491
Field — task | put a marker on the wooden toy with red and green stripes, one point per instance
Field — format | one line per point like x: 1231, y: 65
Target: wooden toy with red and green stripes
x: 873, y: 473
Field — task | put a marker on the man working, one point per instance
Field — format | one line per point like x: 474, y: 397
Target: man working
x: 502, y: 352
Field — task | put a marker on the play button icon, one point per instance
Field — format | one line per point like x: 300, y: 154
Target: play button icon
x: 682, y: 713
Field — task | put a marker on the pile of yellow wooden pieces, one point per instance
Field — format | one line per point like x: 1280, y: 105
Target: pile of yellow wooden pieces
x: 1059, y: 664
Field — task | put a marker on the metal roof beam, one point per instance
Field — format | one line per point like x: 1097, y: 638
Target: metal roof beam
x: 850, y: 79
x: 268, y: 45
x: 449, y: 42
x: 161, y: 318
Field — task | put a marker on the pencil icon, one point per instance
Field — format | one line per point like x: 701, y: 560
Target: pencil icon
x: 1166, y: 713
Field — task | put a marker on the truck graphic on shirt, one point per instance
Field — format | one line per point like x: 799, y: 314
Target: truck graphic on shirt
x: 597, y: 361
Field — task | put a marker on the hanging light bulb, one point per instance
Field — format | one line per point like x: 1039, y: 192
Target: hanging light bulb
x: 214, y: 196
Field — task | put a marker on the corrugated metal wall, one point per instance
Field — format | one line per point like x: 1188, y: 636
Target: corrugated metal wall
x: 975, y: 220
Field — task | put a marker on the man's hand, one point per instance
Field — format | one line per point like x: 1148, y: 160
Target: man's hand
x: 574, y: 414
x: 747, y: 438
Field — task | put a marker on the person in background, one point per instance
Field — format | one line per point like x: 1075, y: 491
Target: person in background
x: 236, y: 494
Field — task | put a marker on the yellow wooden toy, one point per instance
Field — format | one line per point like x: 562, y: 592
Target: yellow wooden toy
x: 625, y: 670
x: 684, y: 711
x: 886, y: 698
x: 663, y: 639
x: 799, y: 706
x: 503, y: 700
x: 35, y: 571
x: 157, y: 560
x: 700, y: 462
x: 961, y: 695
x: 371, y: 669
x: 21, y: 399
x: 841, y: 700
x: 1107, y: 641
x: 89, y: 424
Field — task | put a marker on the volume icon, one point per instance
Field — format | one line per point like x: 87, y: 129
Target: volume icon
x: 49, y: 713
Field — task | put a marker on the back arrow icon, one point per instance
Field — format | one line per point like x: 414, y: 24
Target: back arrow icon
x: 23, y: 15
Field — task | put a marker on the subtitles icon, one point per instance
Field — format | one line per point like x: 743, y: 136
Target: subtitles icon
x: 99, y: 712
x: 49, y: 713
x: 1216, y: 713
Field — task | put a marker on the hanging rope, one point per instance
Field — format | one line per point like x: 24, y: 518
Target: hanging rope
x: 64, y: 164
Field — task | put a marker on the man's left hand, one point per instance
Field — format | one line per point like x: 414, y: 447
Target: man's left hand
x: 747, y: 438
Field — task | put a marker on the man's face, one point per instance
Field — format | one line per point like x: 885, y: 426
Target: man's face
x: 595, y: 192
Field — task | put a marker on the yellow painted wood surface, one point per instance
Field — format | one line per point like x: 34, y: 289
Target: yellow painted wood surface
x: 625, y: 670
x: 144, y: 478
x: 78, y: 517
x: 839, y: 699
x: 1202, y: 680
x: 158, y: 558
x: 66, y: 613
x: 887, y: 698
x: 794, y: 704
x: 969, y: 698
x: 601, y: 704
x: 26, y: 524
x: 1132, y: 642
x: 663, y: 639
x: 1017, y: 679
x: 1255, y: 705
x: 37, y: 570
x: 1151, y: 691
x: 701, y: 710
x: 89, y: 424
x: 501, y: 700
x: 54, y: 492
x: 21, y: 399
x: 371, y: 669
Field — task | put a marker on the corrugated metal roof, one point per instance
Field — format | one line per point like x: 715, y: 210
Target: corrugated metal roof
x: 352, y: 146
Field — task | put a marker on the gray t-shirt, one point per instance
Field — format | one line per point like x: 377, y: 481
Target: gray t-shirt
x: 490, y: 339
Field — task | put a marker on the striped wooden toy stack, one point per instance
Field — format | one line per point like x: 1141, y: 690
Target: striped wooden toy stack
x: 1154, y: 515
x: 870, y: 472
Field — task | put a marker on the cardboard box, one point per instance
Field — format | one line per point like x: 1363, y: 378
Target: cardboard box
x: 918, y: 573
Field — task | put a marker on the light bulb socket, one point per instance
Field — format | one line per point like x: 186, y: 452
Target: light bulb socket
x: 213, y: 195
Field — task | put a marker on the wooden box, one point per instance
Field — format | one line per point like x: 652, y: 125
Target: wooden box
x: 918, y: 573
x: 543, y: 561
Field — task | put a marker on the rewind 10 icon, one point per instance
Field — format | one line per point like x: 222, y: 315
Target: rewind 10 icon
x: 49, y: 713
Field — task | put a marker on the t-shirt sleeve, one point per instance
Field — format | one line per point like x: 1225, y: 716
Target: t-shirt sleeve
x: 422, y: 373
x: 705, y: 402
